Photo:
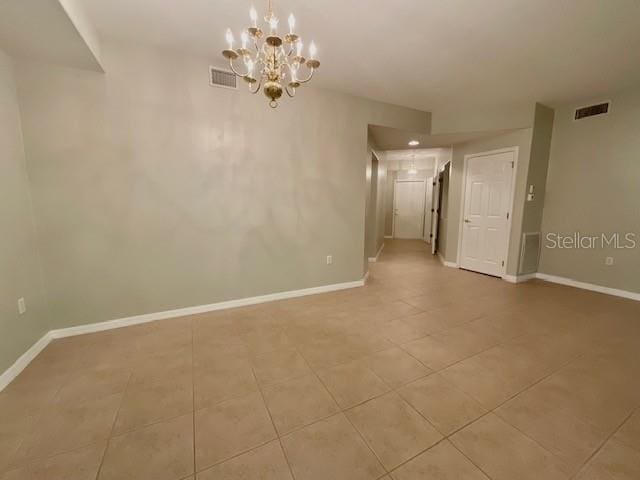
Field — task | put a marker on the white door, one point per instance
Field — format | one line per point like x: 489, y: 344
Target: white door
x: 408, y: 210
x: 486, y: 210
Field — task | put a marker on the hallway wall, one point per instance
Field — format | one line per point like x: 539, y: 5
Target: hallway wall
x: 20, y: 268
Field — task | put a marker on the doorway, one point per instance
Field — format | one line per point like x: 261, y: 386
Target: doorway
x: 486, y: 211
x: 408, y: 209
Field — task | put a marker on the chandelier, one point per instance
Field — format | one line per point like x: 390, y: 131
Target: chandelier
x: 273, y: 63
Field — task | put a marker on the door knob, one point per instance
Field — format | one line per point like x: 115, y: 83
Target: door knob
x: 466, y: 220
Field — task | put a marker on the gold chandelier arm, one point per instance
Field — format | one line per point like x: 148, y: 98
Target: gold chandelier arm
x: 305, y: 80
x: 233, y: 69
x: 257, y: 89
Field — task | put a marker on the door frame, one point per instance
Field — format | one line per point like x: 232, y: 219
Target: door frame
x: 512, y: 195
x: 395, y: 193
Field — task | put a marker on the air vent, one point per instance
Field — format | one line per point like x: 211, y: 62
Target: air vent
x: 530, y: 254
x: 222, y: 78
x: 591, y: 110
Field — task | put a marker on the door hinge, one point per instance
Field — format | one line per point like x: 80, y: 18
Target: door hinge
x: 507, y: 215
x: 512, y: 163
x: 503, y: 263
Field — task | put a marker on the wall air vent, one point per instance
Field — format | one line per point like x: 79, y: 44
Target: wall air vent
x: 222, y: 78
x: 591, y: 110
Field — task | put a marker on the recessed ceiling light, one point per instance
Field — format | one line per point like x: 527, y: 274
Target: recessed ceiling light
x: 413, y: 143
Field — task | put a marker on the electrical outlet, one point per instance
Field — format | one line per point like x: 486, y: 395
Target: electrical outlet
x: 22, y: 306
x: 608, y: 261
x: 329, y: 259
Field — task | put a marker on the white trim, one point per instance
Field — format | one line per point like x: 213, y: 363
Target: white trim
x: 446, y: 263
x: 375, y: 259
x: 365, y: 278
x: 516, y: 153
x: 519, y: 278
x: 589, y: 286
x: 25, y: 359
x: 388, y: 236
x: 21, y: 363
x: 181, y: 312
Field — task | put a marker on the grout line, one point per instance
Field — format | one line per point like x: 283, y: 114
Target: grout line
x: 601, y: 446
x: 273, y: 424
x: 113, y: 426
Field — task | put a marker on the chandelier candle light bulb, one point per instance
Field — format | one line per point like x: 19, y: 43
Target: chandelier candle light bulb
x: 275, y: 64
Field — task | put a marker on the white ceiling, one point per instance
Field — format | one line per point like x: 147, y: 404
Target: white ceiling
x: 393, y: 139
x: 426, y: 54
x: 43, y: 30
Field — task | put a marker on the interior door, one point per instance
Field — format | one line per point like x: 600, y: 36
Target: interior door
x: 408, y: 220
x: 487, y: 205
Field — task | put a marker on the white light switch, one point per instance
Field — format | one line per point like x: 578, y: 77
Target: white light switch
x: 22, y: 306
x: 329, y: 259
x: 608, y: 261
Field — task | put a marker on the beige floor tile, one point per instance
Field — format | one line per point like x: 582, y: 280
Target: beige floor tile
x: 67, y: 427
x: 80, y: 464
x: 432, y: 353
x: 231, y: 428
x: 260, y: 341
x: 149, y: 403
x: 298, y: 402
x: 328, y: 352
x: 484, y: 385
x: 331, y: 449
x: 163, y: 451
x: 629, y: 433
x: 440, y: 402
x: 398, y: 331
x: 441, y: 462
x: 263, y: 463
x: 504, y: 453
x: 570, y: 438
x: 229, y: 379
x: 93, y: 383
x: 614, y: 461
x: 394, y: 430
x: 352, y: 383
x: 278, y: 366
x: 396, y: 367
x: 427, y: 322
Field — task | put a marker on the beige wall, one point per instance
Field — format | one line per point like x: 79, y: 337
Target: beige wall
x: 537, y: 177
x: 518, y: 138
x: 20, y: 272
x: 154, y: 191
x: 593, y: 187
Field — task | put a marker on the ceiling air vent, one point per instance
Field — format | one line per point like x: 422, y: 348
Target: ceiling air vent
x: 222, y: 78
x: 591, y: 110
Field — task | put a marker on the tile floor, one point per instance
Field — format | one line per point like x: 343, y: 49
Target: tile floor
x: 426, y: 373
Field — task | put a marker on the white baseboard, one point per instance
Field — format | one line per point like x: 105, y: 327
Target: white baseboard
x: 19, y: 365
x: 25, y: 359
x: 446, y: 263
x: 375, y: 259
x: 519, y: 278
x: 588, y: 286
x: 388, y: 236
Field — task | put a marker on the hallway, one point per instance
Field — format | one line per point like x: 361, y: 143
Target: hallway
x: 426, y: 372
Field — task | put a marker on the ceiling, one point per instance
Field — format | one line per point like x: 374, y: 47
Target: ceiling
x: 44, y: 30
x: 429, y: 54
x: 393, y: 139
